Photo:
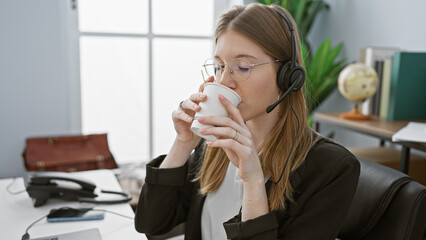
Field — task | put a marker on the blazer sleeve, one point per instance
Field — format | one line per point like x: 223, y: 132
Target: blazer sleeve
x: 318, y: 217
x: 165, y: 197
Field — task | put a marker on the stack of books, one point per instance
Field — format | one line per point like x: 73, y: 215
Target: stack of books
x: 401, y: 91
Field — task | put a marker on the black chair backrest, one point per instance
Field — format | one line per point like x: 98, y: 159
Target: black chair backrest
x: 387, y: 204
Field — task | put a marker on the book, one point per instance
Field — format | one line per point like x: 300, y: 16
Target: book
x: 362, y: 55
x: 384, y: 95
x: 369, y: 56
x: 375, y: 99
x: 373, y: 54
x: 413, y: 132
x: 407, y: 98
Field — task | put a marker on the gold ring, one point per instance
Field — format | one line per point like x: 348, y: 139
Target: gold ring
x: 237, y: 134
x: 180, y: 105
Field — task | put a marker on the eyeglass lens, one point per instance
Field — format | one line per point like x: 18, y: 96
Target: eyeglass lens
x: 238, y: 68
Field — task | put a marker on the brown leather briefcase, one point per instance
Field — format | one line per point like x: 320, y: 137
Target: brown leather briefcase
x: 68, y: 153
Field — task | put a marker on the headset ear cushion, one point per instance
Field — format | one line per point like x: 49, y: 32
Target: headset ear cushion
x: 281, y: 76
x: 294, y: 74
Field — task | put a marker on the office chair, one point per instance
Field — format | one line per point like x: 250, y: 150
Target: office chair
x: 387, y: 204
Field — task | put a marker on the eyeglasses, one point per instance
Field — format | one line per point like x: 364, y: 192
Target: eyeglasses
x: 239, y: 68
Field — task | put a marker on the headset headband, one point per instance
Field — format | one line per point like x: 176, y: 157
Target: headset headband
x: 293, y: 38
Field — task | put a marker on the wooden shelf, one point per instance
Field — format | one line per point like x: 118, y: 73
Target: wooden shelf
x: 376, y: 125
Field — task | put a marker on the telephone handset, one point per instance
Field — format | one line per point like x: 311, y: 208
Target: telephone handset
x: 42, y: 179
x: 44, y: 185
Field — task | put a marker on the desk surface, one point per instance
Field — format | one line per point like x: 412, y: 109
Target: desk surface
x: 17, y: 212
x: 377, y: 127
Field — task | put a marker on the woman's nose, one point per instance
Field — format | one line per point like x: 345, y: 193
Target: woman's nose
x: 227, y: 80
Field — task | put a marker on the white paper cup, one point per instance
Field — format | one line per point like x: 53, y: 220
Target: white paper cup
x: 212, y: 106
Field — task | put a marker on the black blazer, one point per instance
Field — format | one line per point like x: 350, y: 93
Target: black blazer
x: 323, y: 190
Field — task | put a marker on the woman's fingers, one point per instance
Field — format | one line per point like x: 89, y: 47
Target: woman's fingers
x: 189, y: 105
x: 239, y: 149
x: 226, y: 129
x: 192, y: 102
x: 198, y: 97
x: 210, y: 79
x: 223, y: 122
x: 225, y: 133
x: 182, y: 115
x: 231, y: 109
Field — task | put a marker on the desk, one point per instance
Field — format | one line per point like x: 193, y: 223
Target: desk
x: 376, y: 127
x: 17, y: 212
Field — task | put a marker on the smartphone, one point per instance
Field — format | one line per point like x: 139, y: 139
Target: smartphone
x: 74, y: 214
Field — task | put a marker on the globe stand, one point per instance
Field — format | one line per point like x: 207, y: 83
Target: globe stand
x: 355, y: 115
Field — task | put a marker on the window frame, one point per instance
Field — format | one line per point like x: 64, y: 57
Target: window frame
x: 75, y: 102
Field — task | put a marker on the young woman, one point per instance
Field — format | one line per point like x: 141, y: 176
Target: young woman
x: 269, y: 175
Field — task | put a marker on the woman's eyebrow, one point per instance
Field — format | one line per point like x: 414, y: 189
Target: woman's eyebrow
x: 240, y: 56
x: 245, y: 56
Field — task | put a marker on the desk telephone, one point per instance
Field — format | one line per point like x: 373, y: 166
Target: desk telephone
x: 44, y: 185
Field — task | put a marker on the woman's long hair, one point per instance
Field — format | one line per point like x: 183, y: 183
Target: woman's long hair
x: 262, y: 25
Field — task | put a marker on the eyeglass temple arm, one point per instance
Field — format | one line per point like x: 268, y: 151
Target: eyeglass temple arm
x: 258, y: 64
x: 202, y: 75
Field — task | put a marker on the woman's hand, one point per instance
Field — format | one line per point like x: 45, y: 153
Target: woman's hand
x: 184, y: 115
x: 236, y: 140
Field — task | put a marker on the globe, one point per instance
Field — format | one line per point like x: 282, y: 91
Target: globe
x: 357, y: 82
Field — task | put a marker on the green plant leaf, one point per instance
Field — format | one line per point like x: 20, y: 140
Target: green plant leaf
x: 313, y: 9
x: 299, y: 11
x: 322, y: 72
x: 289, y: 5
x: 305, y: 53
x: 320, y: 58
x: 312, y: 69
x: 311, y: 120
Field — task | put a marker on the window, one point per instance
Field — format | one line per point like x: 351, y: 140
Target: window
x: 138, y: 60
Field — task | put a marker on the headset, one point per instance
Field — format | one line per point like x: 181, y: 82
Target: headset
x: 290, y: 76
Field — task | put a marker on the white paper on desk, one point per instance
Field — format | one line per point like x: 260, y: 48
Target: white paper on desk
x: 413, y: 132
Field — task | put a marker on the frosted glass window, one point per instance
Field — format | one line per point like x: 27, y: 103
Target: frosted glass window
x: 188, y: 17
x: 114, y: 89
x: 177, y: 74
x: 113, y: 16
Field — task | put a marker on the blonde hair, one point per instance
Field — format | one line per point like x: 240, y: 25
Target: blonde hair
x: 264, y: 26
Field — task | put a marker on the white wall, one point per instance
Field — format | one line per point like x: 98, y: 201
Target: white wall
x: 34, y: 86
x: 360, y: 23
